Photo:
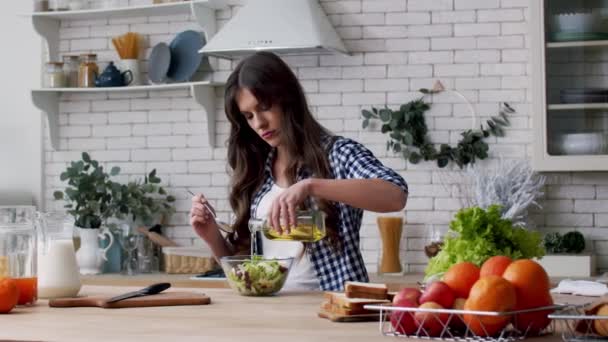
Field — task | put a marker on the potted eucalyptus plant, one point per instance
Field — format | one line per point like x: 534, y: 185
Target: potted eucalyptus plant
x: 89, y: 196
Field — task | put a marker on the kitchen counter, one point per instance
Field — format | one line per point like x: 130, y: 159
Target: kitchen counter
x: 183, y: 280
x: 290, y: 316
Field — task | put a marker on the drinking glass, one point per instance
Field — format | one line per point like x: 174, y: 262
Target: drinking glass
x: 390, y: 228
x: 128, y: 242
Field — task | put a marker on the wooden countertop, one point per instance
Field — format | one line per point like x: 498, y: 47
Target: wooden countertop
x: 183, y: 280
x: 290, y: 316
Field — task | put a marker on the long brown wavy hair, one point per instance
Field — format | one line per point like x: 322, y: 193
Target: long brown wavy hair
x: 272, y: 82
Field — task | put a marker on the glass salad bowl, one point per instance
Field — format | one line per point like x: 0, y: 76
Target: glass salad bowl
x: 255, y: 276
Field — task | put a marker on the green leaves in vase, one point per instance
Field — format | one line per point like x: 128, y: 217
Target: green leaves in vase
x: 408, y: 131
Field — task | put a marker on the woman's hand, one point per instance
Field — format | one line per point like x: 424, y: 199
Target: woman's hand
x: 285, y: 205
x: 201, y: 219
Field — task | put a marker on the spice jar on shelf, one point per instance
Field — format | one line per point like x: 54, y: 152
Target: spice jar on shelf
x: 70, y: 70
x: 87, y: 71
x: 41, y: 5
x: 54, y: 77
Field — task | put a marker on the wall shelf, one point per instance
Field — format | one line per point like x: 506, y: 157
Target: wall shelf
x: 574, y: 106
x: 203, y: 92
x: 47, y: 25
x: 121, y: 12
x: 574, y: 44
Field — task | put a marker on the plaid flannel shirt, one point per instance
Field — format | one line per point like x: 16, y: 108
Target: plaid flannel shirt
x: 348, y: 159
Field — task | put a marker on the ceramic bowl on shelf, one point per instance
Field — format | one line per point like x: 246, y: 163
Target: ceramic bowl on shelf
x: 576, y: 22
x: 582, y: 143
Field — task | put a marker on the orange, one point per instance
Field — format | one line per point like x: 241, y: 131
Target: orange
x: 460, y: 278
x: 532, y: 323
x: 529, y: 279
x: 9, y: 295
x: 496, y: 265
x: 490, y: 293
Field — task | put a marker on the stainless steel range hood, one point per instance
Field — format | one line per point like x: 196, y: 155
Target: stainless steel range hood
x: 281, y: 26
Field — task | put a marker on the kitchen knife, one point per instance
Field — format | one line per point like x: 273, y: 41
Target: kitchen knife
x: 150, y: 290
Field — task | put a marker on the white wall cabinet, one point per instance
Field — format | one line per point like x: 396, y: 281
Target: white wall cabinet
x: 47, y: 25
x: 569, y: 55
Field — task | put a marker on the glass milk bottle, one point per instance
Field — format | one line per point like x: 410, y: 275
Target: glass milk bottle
x: 58, y: 274
x: 18, y: 250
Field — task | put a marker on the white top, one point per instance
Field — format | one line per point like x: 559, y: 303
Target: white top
x: 302, y: 275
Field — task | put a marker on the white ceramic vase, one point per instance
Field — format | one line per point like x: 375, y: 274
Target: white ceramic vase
x: 90, y: 256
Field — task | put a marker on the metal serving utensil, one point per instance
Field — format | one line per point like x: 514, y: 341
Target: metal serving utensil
x: 225, y: 227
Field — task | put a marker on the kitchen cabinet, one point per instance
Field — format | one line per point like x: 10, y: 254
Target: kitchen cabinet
x: 47, y: 25
x: 569, y: 57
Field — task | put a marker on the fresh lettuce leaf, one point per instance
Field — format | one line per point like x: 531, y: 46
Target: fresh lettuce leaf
x: 476, y: 235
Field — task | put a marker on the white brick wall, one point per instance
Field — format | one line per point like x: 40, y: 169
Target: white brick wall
x: 399, y: 46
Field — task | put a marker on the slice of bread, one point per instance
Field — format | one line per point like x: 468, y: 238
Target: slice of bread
x: 365, y: 295
x: 339, y: 310
x: 340, y: 299
x: 373, y: 290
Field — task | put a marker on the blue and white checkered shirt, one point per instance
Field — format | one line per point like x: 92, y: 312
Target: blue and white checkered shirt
x: 348, y: 159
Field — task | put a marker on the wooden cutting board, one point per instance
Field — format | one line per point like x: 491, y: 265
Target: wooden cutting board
x: 161, y: 299
x: 348, y: 318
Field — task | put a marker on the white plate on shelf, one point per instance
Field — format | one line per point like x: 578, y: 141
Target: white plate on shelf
x: 581, y: 143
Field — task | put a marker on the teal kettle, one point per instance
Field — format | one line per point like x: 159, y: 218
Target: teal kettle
x: 112, y: 77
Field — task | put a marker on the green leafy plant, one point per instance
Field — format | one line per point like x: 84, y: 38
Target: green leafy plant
x: 571, y: 242
x: 89, y: 193
x: 476, y: 235
x: 144, y: 201
x: 407, y: 130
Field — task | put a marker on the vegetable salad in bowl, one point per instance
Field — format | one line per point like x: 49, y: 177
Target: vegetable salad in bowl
x: 254, y: 275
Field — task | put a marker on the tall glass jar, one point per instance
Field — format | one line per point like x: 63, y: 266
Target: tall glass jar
x: 87, y: 71
x: 70, y: 70
x: 18, y: 244
x: 54, y: 77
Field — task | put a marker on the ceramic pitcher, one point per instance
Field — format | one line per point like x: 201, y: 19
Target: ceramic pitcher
x: 90, y: 256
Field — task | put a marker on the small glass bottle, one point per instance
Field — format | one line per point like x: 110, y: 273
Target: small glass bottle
x: 54, y: 77
x: 87, y: 71
x: 70, y: 70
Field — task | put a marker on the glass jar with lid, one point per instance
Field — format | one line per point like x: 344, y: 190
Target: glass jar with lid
x: 70, y: 70
x: 87, y: 71
x: 54, y: 77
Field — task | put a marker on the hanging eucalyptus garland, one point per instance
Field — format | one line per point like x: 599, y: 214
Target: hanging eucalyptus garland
x: 407, y: 130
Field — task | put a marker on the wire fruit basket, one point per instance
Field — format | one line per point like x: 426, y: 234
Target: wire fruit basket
x: 576, y: 325
x: 449, y: 324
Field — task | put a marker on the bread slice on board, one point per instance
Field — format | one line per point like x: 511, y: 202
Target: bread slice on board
x: 355, y: 289
x: 340, y: 299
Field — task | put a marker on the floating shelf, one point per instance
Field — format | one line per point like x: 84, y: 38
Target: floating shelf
x: 574, y: 106
x: 47, y: 100
x: 47, y: 24
x: 585, y: 43
x: 174, y: 8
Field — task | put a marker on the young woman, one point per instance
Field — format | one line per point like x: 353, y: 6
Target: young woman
x: 281, y: 157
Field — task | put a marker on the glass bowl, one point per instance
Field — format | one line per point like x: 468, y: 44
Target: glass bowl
x: 256, y: 276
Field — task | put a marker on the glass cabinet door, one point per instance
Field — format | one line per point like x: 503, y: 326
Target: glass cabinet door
x: 576, y: 77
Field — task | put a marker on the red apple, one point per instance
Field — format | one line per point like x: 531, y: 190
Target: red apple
x: 410, y: 293
x: 457, y: 321
x: 431, y: 323
x: 403, y: 321
x: 440, y: 293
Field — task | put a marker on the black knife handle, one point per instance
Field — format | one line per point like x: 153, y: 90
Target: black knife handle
x: 155, y: 288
